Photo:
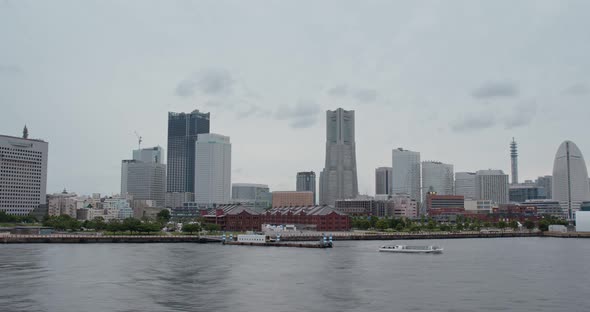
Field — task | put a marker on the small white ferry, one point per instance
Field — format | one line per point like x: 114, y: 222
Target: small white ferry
x: 411, y: 249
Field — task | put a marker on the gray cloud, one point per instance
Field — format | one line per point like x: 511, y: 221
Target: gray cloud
x: 303, y: 115
x: 213, y: 82
x: 10, y: 70
x: 255, y: 111
x: 522, y: 115
x: 339, y: 90
x: 496, y: 90
x: 474, y: 122
x: 577, y: 89
x: 366, y: 95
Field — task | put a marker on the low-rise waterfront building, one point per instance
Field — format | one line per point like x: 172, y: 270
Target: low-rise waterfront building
x: 548, y: 207
x: 238, y: 218
x: 519, y: 193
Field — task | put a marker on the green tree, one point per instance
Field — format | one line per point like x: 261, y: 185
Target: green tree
x: 373, y: 221
x: 211, y: 227
x: 502, y: 225
x: 513, y: 225
x: 99, y: 224
x: 163, y: 216
x: 399, y: 227
x: 544, y: 225
x: 529, y: 224
x: 131, y: 225
x: 149, y: 227
x: 382, y: 224
x: 431, y: 225
x: 191, y: 228
x: 114, y: 225
x: 62, y: 223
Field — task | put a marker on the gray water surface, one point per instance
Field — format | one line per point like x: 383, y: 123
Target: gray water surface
x: 504, y: 274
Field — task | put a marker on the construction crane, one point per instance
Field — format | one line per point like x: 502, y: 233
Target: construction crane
x: 138, y: 140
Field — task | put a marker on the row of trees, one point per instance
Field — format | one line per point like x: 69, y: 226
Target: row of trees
x: 198, y: 227
x: 461, y: 224
x: 131, y: 225
x: 6, y: 218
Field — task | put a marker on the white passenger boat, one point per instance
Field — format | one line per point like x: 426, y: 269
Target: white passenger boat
x: 411, y: 249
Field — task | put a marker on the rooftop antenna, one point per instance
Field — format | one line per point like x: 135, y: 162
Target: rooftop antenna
x: 138, y: 140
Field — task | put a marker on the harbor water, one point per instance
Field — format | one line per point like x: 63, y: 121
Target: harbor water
x: 497, y: 274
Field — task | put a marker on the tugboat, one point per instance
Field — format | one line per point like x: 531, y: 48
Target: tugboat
x: 411, y: 249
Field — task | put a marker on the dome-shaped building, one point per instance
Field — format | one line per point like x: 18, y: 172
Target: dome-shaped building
x: 570, y: 178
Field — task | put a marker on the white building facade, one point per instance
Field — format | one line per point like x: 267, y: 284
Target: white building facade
x: 212, y: 169
x: 23, y: 174
x: 492, y: 185
x: 570, y: 178
x: 465, y: 184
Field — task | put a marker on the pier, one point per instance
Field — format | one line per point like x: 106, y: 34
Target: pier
x: 279, y: 244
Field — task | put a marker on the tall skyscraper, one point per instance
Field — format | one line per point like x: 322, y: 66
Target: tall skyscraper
x: 213, y: 169
x: 339, y: 180
x: 437, y: 177
x: 406, y: 173
x: 144, y: 176
x: 23, y: 178
x: 465, y: 184
x: 306, y: 183
x: 492, y: 185
x: 183, y: 131
x: 546, y: 182
x: 514, y: 161
x: 570, y: 178
x: 383, y: 181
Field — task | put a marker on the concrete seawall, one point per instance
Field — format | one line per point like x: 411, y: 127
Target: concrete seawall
x: 84, y: 239
x: 133, y: 239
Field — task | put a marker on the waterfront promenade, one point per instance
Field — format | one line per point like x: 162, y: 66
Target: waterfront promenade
x: 285, y: 236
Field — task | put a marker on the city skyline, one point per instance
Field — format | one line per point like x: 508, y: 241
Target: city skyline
x: 467, y: 119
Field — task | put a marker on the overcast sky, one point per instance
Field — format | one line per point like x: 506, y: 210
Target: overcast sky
x: 454, y: 80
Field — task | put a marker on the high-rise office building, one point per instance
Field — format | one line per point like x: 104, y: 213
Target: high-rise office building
x: 437, y: 177
x: 383, y: 181
x: 183, y: 131
x: 514, y: 161
x: 306, y: 183
x: 23, y: 174
x: 144, y: 176
x: 545, y: 182
x: 570, y: 178
x: 213, y: 169
x: 465, y: 184
x: 492, y: 185
x: 339, y: 180
x: 406, y: 173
